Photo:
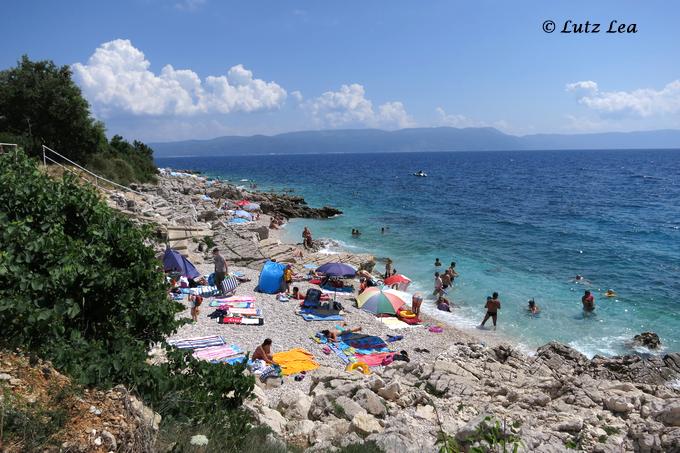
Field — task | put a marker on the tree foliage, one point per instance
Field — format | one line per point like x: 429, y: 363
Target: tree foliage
x: 80, y: 286
x: 40, y: 104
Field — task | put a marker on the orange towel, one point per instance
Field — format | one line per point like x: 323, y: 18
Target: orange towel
x: 295, y: 361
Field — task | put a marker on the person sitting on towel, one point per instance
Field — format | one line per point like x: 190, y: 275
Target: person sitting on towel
x: 296, y: 294
x: 264, y: 352
x: 333, y: 334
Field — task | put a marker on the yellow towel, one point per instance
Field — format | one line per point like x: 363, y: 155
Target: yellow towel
x: 295, y: 361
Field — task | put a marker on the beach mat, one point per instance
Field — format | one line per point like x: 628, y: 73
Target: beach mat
x: 307, y: 316
x: 375, y: 359
x: 394, y: 323
x: 241, y: 320
x: 217, y: 352
x: 198, y: 342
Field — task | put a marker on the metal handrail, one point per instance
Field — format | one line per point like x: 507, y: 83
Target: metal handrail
x: 96, y: 176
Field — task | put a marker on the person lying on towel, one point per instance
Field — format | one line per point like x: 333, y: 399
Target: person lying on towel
x: 264, y: 352
x: 333, y: 334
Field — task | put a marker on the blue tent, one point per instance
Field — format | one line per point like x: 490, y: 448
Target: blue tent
x: 173, y: 261
x: 271, y: 277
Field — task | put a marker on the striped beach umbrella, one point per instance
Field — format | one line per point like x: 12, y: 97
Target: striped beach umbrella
x: 381, y: 301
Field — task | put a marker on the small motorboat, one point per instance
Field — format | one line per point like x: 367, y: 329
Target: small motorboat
x: 421, y: 173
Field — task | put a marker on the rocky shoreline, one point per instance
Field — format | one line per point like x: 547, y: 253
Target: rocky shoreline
x: 555, y: 400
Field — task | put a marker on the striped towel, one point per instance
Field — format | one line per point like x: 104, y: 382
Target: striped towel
x: 198, y: 342
x: 217, y: 352
x: 231, y: 299
x: 229, y: 285
x: 243, y: 311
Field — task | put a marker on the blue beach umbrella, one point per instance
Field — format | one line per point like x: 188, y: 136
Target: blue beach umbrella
x: 337, y: 270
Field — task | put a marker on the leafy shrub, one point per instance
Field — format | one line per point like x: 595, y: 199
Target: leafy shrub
x: 78, y: 286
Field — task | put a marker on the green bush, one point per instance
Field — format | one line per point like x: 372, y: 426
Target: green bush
x: 80, y: 287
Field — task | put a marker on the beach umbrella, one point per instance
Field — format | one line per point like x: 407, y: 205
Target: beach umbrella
x: 251, y: 207
x: 242, y: 202
x: 244, y: 214
x: 239, y: 220
x: 398, y: 279
x: 337, y: 270
x: 173, y: 261
x: 381, y: 301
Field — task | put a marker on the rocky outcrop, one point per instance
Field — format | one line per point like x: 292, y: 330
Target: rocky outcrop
x: 648, y: 340
x: 555, y: 400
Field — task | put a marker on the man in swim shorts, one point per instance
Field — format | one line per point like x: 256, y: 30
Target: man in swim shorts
x: 492, y: 307
x: 588, y: 302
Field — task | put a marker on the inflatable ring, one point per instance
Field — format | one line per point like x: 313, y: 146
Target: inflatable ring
x: 407, y: 314
x: 361, y: 366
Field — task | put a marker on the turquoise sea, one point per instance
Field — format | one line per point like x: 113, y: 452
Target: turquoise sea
x: 520, y: 223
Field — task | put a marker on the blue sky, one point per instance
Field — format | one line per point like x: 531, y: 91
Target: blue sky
x: 162, y: 70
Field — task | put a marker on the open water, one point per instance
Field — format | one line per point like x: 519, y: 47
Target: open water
x: 520, y: 223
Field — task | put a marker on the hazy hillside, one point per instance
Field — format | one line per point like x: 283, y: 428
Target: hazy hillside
x: 409, y: 140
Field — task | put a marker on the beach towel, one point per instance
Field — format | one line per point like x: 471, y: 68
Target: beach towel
x: 229, y: 285
x: 234, y: 299
x: 361, y: 341
x: 393, y: 323
x: 311, y: 316
x: 218, y: 303
x: 198, y: 342
x: 411, y: 321
x: 375, y: 359
x: 295, y: 361
x: 241, y: 320
x: 241, y: 311
x: 217, y: 352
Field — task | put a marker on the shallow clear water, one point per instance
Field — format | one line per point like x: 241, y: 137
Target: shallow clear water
x: 520, y: 223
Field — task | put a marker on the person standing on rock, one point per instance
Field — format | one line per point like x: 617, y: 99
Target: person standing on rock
x: 307, y: 238
x: 220, y: 270
x: 492, y: 307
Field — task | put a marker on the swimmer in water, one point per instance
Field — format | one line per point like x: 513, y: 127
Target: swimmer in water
x: 533, y: 308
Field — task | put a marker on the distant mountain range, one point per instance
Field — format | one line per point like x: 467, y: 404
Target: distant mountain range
x: 410, y: 140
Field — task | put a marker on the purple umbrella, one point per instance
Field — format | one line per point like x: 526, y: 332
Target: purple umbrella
x: 337, y: 270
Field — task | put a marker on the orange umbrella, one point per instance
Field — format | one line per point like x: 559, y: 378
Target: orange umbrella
x: 397, y: 279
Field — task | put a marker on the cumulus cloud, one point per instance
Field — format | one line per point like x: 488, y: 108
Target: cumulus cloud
x: 117, y: 79
x: 643, y: 102
x: 350, y: 107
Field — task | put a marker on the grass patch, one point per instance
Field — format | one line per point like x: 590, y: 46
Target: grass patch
x: 610, y: 430
x: 338, y: 409
x: 429, y: 388
x: 602, y: 439
x: 366, y: 447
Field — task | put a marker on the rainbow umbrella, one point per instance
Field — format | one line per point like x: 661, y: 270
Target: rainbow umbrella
x: 381, y: 301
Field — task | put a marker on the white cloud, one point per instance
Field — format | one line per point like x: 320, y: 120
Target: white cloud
x: 117, y: 79
x: 643, y: 102
x: 297, y: 96
x: 349, y: 107
x: 189, y: 5
x: 461, y: 121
